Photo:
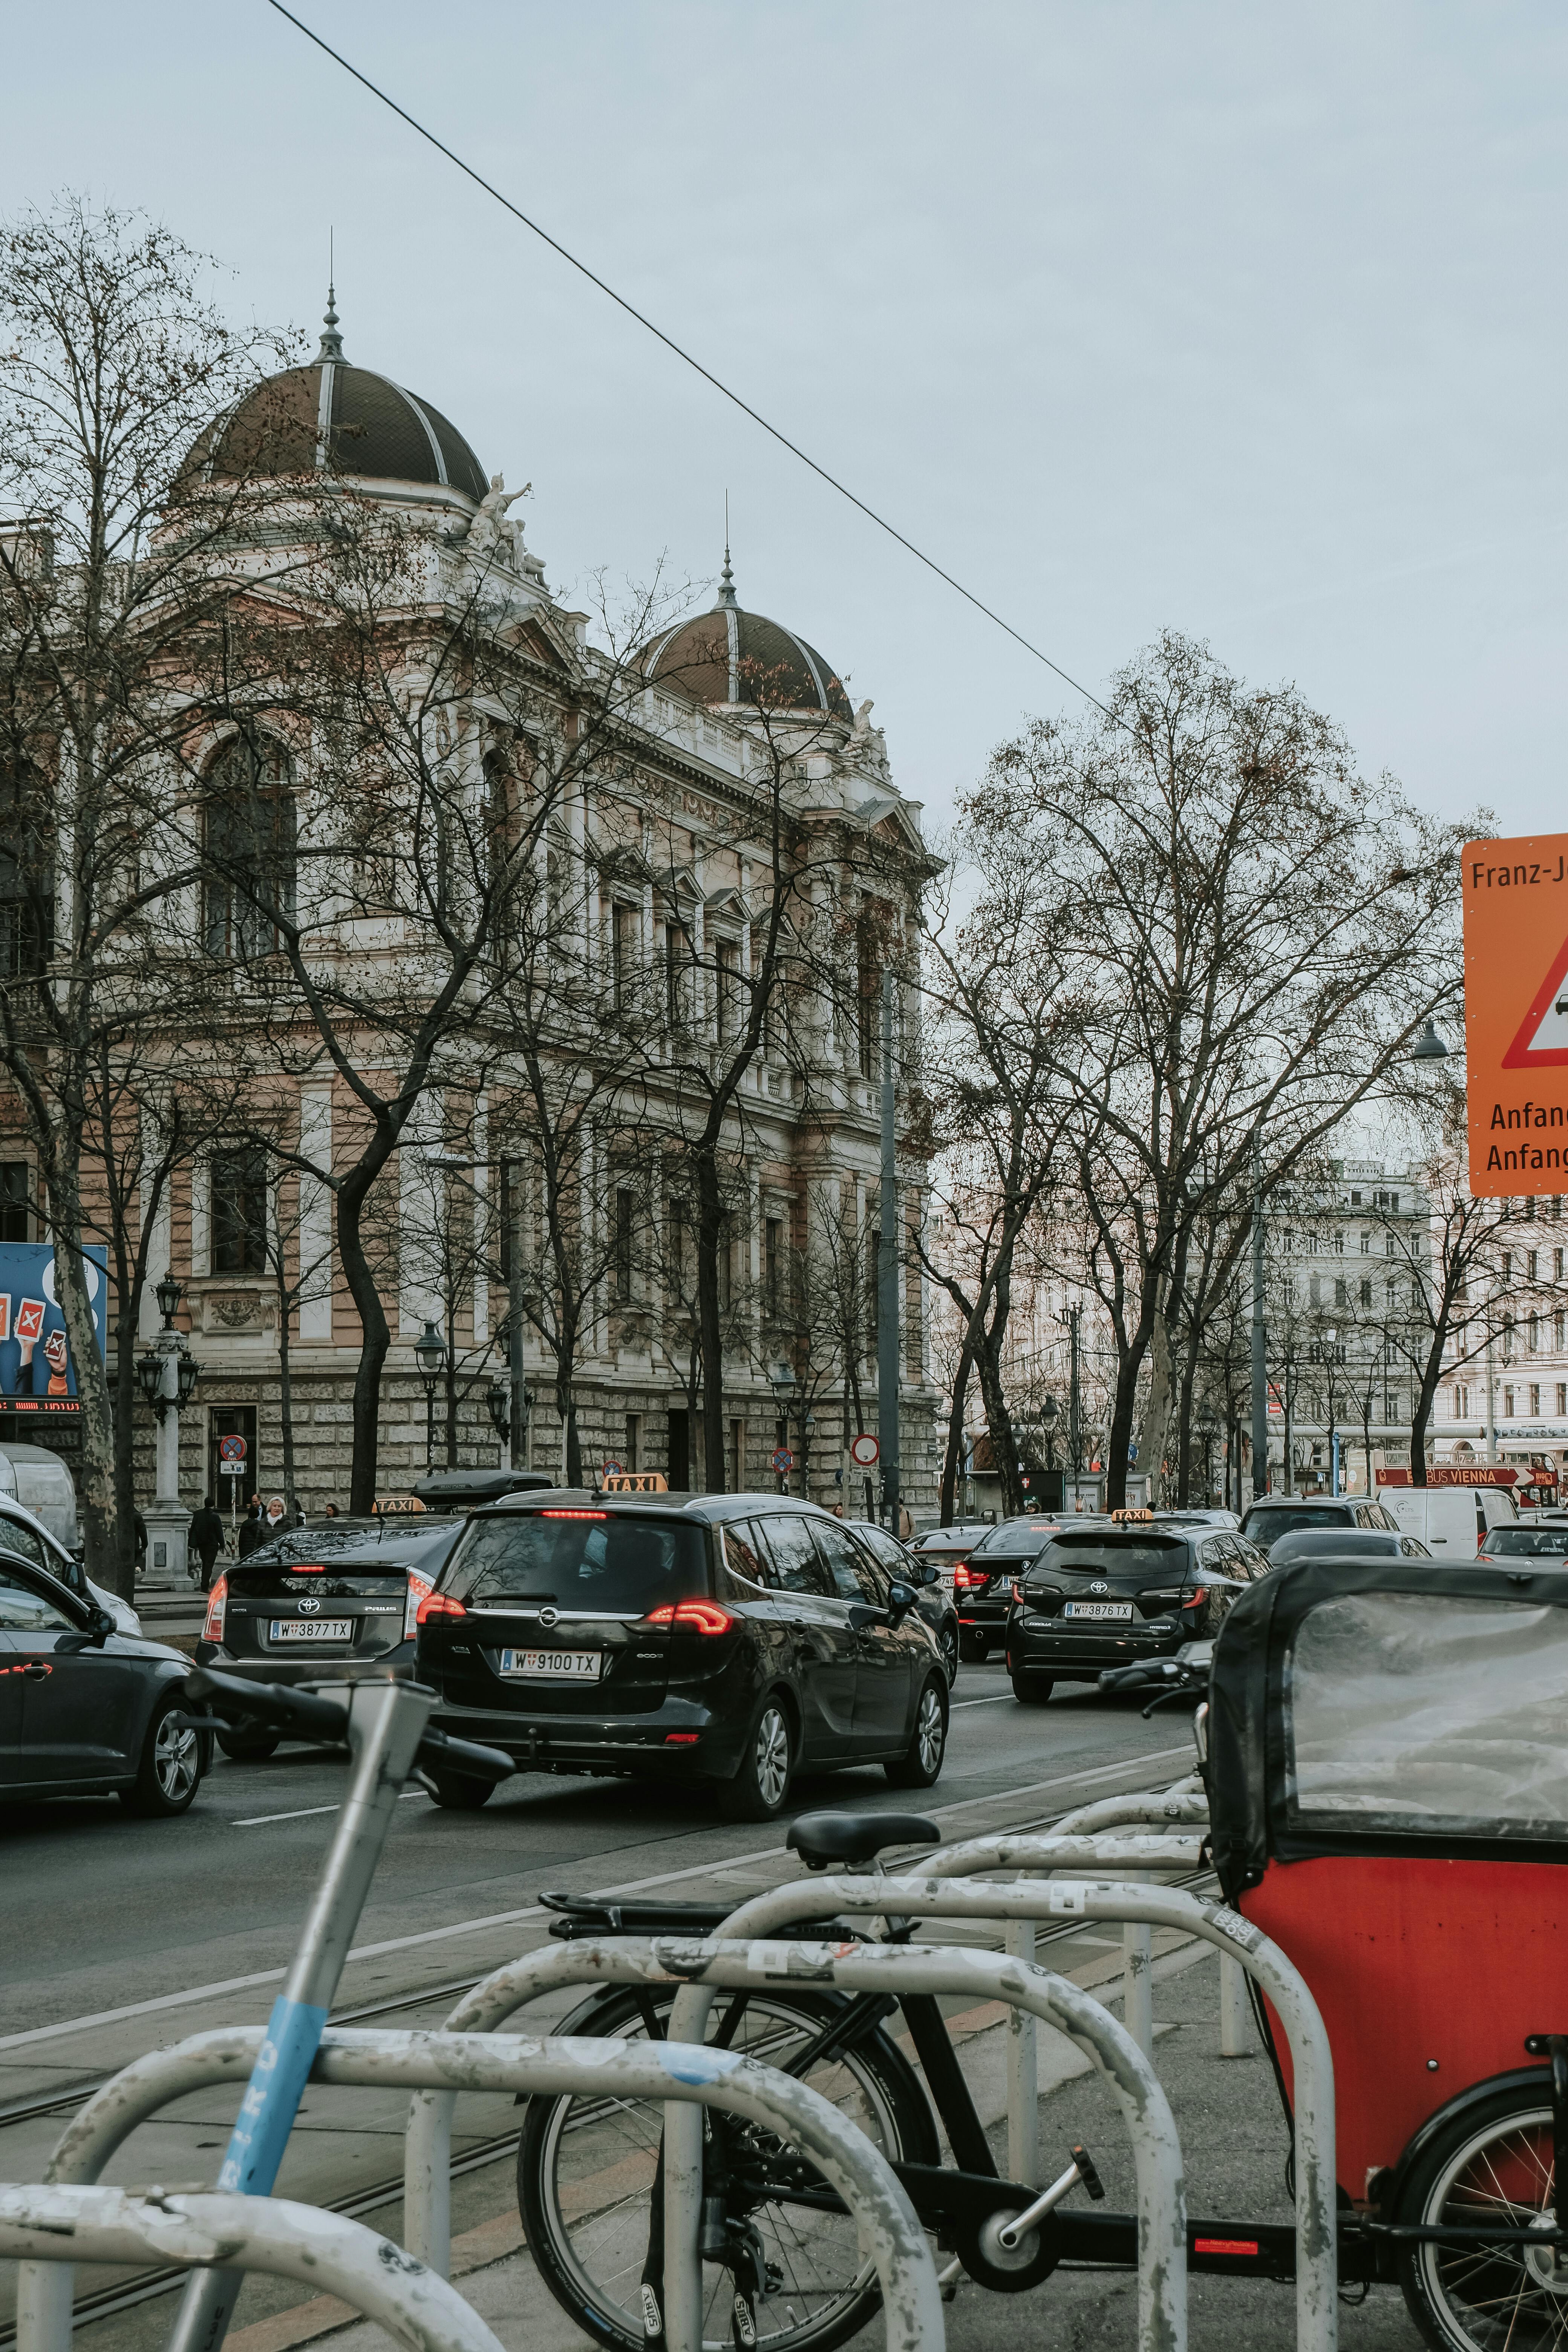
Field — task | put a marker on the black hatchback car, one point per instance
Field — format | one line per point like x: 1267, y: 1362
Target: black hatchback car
x: 1107, y: 1593
x: 85, y: 1710
x: 341, y: 1599
x: 982, y: 1584
x: 725, y: 1639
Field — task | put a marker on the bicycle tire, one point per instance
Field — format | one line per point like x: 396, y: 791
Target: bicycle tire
x: 1494, y: 2156
x: 591, y: 2259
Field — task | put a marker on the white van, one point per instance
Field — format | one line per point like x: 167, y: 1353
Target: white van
x: 1451, y: 1521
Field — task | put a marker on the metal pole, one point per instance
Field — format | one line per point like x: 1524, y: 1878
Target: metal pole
x: 1259, y: 1354
x: 1022, y: 2072
x: 1233, y: 2034
x: 1073, y: 1403
x: 887, y: 1342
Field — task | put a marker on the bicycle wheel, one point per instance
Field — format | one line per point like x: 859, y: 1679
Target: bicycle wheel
x: 1494, y: 2165
x: 586, y: 2174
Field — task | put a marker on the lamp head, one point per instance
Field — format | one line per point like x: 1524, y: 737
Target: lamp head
x: 430, y: 1352
x: 1428, y: 1047
x: 168, y: 1293
x: 498, y: 1404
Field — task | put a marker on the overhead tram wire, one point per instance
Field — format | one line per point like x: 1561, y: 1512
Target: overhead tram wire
x: 681, y: 352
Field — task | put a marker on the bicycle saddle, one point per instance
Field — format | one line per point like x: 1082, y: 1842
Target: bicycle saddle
x: 821, y: 1839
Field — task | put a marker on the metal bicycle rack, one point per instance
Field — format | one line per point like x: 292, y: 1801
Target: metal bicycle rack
x: 846, y: 1968
x: 890, y: 2236
x: 50, y: 2228
x: 1317, y: 2246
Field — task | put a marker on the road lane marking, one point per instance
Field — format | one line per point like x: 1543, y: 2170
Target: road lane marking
x: 193, y: 1994
x: 996, y: 1700
x: 308, y: 1813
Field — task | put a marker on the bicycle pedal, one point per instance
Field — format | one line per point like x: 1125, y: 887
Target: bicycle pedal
x: 1087, y: 2173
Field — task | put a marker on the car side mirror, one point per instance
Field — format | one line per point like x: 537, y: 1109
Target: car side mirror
x: 100, y: 1625
x: 901, y: 1600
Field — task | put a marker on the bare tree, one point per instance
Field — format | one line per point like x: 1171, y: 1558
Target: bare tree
x: 1250, y: 934
x: 116, y: 573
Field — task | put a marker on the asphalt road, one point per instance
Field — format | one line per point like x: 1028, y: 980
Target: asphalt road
x: 128, y: 1935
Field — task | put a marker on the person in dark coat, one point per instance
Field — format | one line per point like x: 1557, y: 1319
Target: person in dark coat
x: 206, y: 1541
x: 253, y: 1528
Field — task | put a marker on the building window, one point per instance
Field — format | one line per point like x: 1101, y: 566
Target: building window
x: 633, y: 1458
x: 1341, y: 1297
x: 1533, y: 1332
x: 1366, y: 1294
x: 867, y: 990
x: 737, y: 1458
x: 14, y: 1201
x: 1339, y: 1244
x: 624, y: 1245
x: 773, y: 1262
x: 677, y: 974
x: 26, y: 875
x: 1391, y: 1412
x: 1508, y: 1335
x: 1563, y: 1397
x: 625, y: 924
x: 1507, y: 1265
x: 1534, y: 1399
x: 1507, y: 1403
x: 728, y: 956
x: 1315, y: 1289
x: 251, y: 848
x: 1366, y: 1244
x: 1559, y: 1331
x: 1530, y: 1265
x: 1390, y: 1247
x: 1461, y: 1404
x: 239, y: 1212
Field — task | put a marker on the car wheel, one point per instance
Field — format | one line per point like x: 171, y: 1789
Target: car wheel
x: 169, y: 1771
x: 459, y: 1793
x: 972, y: 1649
x: 950, y: 1652
x: 761, y: 1785
x: 922, y: 1762
x: 1032, y: 1690
x: 247, y: 1747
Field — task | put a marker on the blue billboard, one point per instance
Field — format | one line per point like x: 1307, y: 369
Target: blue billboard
x: 36, y: 1374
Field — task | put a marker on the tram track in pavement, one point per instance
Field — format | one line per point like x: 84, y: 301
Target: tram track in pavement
x: 144, y: 2286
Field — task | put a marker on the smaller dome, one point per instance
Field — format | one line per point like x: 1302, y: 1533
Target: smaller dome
x: 331, y: 412
x: 729, y: 656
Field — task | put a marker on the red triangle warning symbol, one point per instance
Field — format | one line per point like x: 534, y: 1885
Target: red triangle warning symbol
x: 1543, y: 1038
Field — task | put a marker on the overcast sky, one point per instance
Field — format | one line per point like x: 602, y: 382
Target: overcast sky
x: 1247, y: 322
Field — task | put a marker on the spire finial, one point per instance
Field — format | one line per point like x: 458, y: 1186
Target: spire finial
x: 332, y: 341
x: 727, y: 595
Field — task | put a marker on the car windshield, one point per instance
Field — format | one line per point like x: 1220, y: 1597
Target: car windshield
x: 1114, y: 1556
x: 1268, y: 1527
x: 579, y: 1559
x: 1017, y: 1540
x: 339, y: 1561
x: 1526, y: 1543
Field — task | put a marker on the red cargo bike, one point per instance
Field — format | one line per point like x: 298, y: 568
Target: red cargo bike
x: 1388, y: 1779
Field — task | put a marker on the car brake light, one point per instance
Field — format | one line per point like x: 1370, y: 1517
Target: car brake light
x: 681, y: 1738
x: 573, y: 1514
x: 964, y: 1577
x: 307, y: 1567
x: 438, y: 1604
x: 691, y: 1617
x: 1017, y: 1592
x: 420, y: 1587
x: 217, y: 1605
x: 1195, y: 1600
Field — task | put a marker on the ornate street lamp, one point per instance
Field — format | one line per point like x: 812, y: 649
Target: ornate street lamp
x: 187, y: 1371
x: 498, y: 1404
x: 430, y: 1355
x: 169, y: 1293
x: 149, y: 1375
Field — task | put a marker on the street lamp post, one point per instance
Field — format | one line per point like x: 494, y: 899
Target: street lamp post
x: 1206, y: 1435
x: 782, y: 1378
x: 430, y: 1355
x: 167, y: 1374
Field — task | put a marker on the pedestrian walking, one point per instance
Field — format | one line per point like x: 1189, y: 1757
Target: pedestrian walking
x: 206, y: 1541
x: 140, y: 1540
x: 253, y: 1531
x: 273, y: 1518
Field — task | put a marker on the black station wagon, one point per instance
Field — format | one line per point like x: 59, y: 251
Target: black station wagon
x: 718, y: 1638
x: 1112, y: 1593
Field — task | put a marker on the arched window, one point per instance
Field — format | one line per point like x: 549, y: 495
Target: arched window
x: 251, y: 848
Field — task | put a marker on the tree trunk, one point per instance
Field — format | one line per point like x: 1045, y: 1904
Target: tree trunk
x: 125, y: 1393
x: 1157, y: 1414
x: 286, y: 1407
x: 110, y: 1549
x: 954, y: 1453
x: 710, y: 1337
x: 375, y: 1339
x: 999, y: 1426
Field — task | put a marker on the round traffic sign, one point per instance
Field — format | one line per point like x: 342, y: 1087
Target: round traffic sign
x: 231, y: 1449
x: 864, y: 1451
x: 782, y: 1459
x: 613, y: 1468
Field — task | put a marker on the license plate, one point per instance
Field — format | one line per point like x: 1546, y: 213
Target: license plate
x: 1113, y: 1612
x: 552, y: 1665
x: 312, y: 1629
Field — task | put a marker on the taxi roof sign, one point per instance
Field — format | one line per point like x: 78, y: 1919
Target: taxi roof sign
x: 1515, y: 897
x: 634, y: 1482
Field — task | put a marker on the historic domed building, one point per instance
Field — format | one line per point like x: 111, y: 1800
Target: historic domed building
x: 656, y: 868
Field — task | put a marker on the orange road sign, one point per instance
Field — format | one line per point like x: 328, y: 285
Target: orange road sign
x: 1516, y: 1013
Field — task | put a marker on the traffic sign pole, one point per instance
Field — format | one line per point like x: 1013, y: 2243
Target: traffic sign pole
x: 888, y: 1347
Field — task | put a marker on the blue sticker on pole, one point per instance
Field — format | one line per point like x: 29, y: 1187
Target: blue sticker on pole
x: 272, y: 2097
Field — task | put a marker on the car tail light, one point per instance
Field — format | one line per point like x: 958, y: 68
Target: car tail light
x: 681, y: 1738
x: 419, y: 1590
x: 217, y: 1606
x: 573, y: 1514
x: 691, y: 1617
x: 438, y: 1604
x: 964, y: 1577
x: 1195, y: 1600
x: 1017, y: 1592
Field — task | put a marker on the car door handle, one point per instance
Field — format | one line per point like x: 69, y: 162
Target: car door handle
x: 37, y: 1673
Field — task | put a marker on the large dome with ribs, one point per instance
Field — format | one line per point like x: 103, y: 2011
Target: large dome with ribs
x: 332, y: 414
x: 730, y: 656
